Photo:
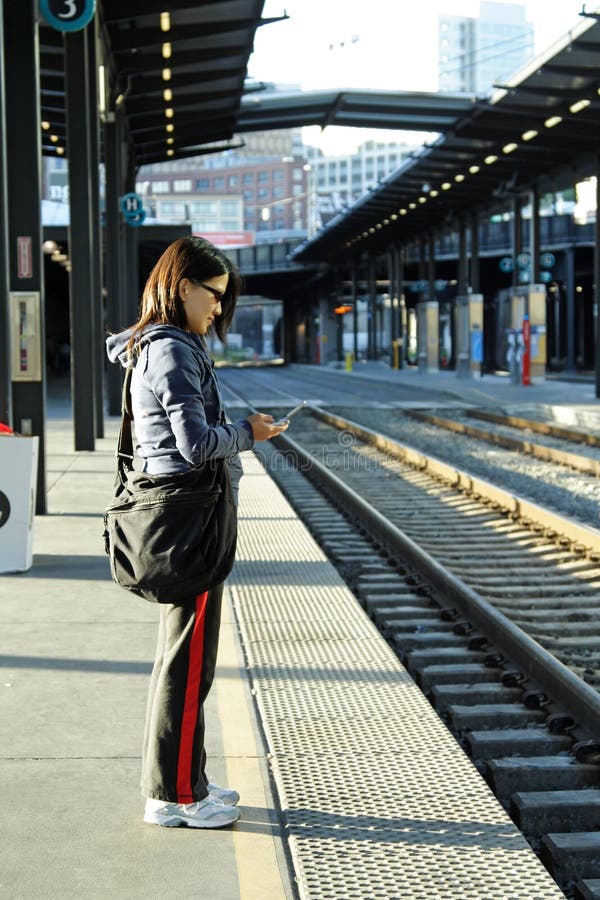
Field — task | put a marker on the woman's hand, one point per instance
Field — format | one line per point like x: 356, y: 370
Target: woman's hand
x: 263, y: 428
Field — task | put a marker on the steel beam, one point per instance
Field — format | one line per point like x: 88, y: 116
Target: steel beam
x: 24, y: 179
x: 80, y: 240
x: 5, y: 383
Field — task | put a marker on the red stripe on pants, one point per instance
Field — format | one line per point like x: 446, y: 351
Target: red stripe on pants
x: 191, y: 704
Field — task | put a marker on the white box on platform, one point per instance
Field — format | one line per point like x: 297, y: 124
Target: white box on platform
x: 18, y: 481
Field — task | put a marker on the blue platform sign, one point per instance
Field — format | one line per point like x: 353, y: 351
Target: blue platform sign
x: 132, y: 207
x: 68, y: 15
x: 523, y: 261
x: 506, y: 264
x: 547, y: 260
x: 545, y: 277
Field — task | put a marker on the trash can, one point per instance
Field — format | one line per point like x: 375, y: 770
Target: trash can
x: 18, y: 481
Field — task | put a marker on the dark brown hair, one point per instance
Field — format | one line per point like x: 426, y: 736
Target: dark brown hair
x: 189, y: 257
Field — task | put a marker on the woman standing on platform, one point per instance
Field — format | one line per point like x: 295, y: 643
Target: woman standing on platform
x: 179, y: 424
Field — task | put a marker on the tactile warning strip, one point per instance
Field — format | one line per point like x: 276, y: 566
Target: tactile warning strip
x: 378, y: 798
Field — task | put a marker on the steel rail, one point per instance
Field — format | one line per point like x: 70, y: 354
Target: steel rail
x: 548, y: 428
x: 565, y: 688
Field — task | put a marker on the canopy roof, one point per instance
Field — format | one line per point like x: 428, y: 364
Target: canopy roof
x: 201, y: 59
x: 542, y: 129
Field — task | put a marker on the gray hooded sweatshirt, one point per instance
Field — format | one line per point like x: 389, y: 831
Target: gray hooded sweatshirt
x: 176, y: 402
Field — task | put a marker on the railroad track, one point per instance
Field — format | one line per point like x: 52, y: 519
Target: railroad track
x: 557, y: 446
x: 480, y: 594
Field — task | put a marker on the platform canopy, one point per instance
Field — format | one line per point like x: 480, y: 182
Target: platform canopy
x: 539, y: 130
x: 179, y: 63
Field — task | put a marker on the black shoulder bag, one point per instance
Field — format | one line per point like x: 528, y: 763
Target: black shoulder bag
x: 168, y: 537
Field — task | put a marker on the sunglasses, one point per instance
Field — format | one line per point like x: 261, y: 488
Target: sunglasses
x: 218, y: 295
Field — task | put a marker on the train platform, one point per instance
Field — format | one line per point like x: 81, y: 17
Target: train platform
x: 557, y: 393
x: 351, y: 786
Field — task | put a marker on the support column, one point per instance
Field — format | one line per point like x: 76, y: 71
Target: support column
x: 534, y: 237
x: 80, y: 239
x: 114, y: 250
x: 24, y: 178
x: 5, y: 383
x: 428, y: 336
x: 372, y: 314
x: 475, y: 253
x: 570, y: 310
x: 354, y: 310
x: 597, y: 280
x: 98, y: 328
x: 462, y: 259
x: 517, y: 236
x: 401, y: 312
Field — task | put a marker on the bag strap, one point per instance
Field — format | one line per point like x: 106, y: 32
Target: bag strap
x: 125, y: 442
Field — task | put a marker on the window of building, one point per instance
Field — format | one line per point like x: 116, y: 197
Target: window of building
x: 171, y: 210
x: 160, y: 187
x: 218, y: 183
x: 278, y: 175
x: 263, y: 176
x: 182, y: 185
x: 233, y: 180
x: 248, y: 195
x: 201, y: 184
x: 230, y: 207
x: 297, y: 190
x: 203, y: 208
x: 278, y: 192
x: 263, y: 193
x: 297, y: 174
x: 248, y: 178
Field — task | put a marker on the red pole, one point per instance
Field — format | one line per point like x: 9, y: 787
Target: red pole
x: 526, y: 350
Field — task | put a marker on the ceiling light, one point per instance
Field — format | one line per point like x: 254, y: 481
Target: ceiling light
x: 371, y: 231
x: 508, y: 148
x: 165, y: 21
x: 365, y: 234
x: 45, y: 125
x: 170, y: 140
x: 473, y: 170
x: 529, y: 135
x: 459, y: 178
x: 402, y: 212
x: 169, y: 127
x: 166, y: 50
x: 169, y: 112
x: 581, y: 104
x: 54, y: 138
x: 60, y: 150
x: 167, y: 95
x: 166, y: 74
x: 394, y: 216
x: 412, y: 205
x: 422, y: 199
x: 446, y: 186
x: 386, y: 221
x: 490, y: 159
x: 379, y: 225
x: 434, y: 193
x: 552, y: 121
x: 170, y: 152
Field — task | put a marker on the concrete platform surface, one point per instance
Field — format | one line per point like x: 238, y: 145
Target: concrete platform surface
x: 76, y: 654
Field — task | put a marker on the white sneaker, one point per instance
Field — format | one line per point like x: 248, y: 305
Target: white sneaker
x: 224, y: 795
x: 207, y: 813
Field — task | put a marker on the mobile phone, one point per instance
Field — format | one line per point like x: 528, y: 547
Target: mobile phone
x: 286, y: 419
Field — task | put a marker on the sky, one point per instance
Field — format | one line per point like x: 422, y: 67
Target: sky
x: 378, y: 44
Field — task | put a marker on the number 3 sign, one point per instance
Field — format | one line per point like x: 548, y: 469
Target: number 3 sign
x: 68, y: 15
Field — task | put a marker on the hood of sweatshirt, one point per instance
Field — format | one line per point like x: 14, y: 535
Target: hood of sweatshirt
x: 116, y: 344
